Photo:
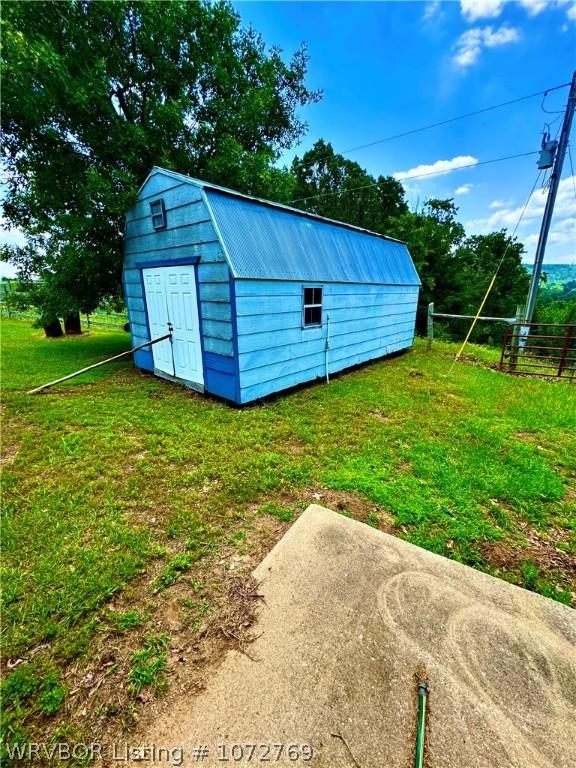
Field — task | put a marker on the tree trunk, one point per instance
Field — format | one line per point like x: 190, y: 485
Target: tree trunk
x: 72, y: 324
x: 53, y: 329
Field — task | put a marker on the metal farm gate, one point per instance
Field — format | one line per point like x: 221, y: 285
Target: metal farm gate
x: 540, y: 349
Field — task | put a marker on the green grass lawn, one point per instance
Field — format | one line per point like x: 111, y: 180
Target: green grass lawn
x: 119, y: 489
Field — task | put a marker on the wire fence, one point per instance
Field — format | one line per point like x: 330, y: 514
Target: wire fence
x: 96, y: 319
x: 460, y: 325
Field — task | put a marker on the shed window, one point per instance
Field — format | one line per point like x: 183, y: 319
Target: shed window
x: 158, y: 214
x: 312, y: 310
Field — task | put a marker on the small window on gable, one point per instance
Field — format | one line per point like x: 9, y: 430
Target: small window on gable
x: 158, y: 214
x: 312, y: 309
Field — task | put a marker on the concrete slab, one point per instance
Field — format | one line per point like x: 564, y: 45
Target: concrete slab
x: 351, y: 617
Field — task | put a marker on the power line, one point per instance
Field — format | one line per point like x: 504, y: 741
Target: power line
x: 495, y: 275
x: 419, y: 176
x: 549, y: 111
x: 441, y: 122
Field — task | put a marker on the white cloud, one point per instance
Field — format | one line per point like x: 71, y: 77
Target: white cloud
x: 472, y: 10
x: 431, y: 10
x: 562, y: 233
x: 481, y: 9
x: 439, y: 168
x: 571, y: 12
x: 463, y: 189
x: 507, y: 217
x: 562, y: 237
x: 501, y: 204
x: 470, y: 44
x: 534, y: 7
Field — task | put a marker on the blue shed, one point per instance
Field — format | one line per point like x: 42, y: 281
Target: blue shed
x: 260, y: 297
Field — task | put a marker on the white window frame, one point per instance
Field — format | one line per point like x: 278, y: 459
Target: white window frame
x: 158, y: 214
x: 311, y: 306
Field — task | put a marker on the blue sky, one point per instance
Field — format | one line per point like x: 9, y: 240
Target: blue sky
x: 388, y: 67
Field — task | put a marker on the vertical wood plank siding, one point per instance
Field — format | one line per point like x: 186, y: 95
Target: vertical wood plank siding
x: 275, y: 352
x: 189, y: 234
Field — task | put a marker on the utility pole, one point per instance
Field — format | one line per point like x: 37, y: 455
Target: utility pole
x: 549, y: 209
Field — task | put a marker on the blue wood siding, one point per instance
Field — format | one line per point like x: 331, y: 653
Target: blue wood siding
x: 253, y: 342
x: 189, y: 235
x: 275, y: 352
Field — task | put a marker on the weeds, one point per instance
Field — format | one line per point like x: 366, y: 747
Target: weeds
x: 129, y: 620
x: 533, y: 581
x: 279, y: 511
x: 173, y: 570
x: 149, y: 664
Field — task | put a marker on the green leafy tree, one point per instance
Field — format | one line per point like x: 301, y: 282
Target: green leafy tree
x: 556, y: 303
x: 331, y: 185
x: 479, y: 256
x: 433, y: 236
x: 96, y: 93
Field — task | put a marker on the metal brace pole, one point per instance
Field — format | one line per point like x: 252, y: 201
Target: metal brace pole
x: 97, y: 365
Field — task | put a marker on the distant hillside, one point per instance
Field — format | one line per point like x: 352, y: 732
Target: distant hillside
x: 559, y: 274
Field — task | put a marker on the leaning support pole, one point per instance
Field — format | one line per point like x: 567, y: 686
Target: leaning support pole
x: 97, y: 365
x: 420, y: 733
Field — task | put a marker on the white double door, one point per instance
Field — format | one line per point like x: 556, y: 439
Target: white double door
x: 172, y: 300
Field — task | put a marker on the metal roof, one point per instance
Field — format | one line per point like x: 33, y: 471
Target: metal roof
x: 269, y: 241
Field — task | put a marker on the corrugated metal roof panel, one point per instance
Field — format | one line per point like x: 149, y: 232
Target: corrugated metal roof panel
x: 208, y: 185
x: 272, y: 243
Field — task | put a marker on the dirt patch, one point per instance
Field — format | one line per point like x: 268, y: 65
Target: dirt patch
x: 344, y: 502
x: 100, y: 701
x: 528, y: 437
x: 238, y: 614
x: 295, y: 447
x: 195, y: 652
x: 379, y: 416
x: 357, y: 507
x: 540, y: 549
x: 471, y: 359
x: 208, y: 612
x: 8, y: 453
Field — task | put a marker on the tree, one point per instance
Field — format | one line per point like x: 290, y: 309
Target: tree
x: 479, y: 257
x: 433, y: 235
x: 556, y: 299
x: 330, y: 185
x: 456, y: 270
x: 96, y: 93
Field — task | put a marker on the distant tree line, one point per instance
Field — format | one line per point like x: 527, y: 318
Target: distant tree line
x: 96, y: 93
x: 556, y: 302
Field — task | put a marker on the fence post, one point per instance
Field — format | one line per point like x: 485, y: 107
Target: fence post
x: 430, y: 325
x: 565, y: 348
x: 7, y: 303
x: 504, y: 345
